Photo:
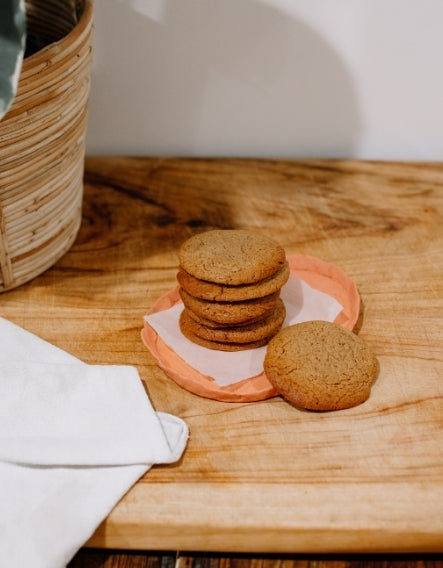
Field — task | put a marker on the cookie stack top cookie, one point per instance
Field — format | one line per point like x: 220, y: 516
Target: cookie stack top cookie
x: 231, y: 257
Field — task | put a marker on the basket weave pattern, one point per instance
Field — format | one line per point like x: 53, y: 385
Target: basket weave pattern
x: 42, y: 143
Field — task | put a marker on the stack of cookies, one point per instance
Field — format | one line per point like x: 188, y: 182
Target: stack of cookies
x: 230, y: 282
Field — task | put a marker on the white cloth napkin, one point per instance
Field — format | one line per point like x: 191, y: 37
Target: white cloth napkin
x: 73, y: 439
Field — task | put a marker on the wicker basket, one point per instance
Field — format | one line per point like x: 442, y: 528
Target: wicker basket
x: 42, y: 143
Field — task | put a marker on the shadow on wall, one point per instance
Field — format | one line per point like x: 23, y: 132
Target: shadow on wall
x: 227, y: 78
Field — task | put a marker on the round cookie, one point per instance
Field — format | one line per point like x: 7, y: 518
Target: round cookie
x: 228, y: 313
x: 319, y: 365
x: 221, y: 346
x: 232, y: 257
x: 215, y: 325
x: 220, y: 293
x: 257, y: 331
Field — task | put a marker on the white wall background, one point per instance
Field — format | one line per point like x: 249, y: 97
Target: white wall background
x: 268, y: 78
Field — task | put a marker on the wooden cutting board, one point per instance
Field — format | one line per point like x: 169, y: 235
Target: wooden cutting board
x: 265, y: 476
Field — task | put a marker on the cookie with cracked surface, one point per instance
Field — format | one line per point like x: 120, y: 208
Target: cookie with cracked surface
x: 318, y: 365
x: 265, y: 328
x: 214, y: 325
x: 231, y: 256
x: 205, y: 290
x: 216, y: 314
x: 222, y: 346
x: 255, y: 333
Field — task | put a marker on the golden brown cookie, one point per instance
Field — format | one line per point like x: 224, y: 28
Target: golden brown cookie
x: 319, y: 365
x: 222, y: 346
x: 265, y: 328
x: 222, y: 293
x: 215, y: 314
x: 215, y: 325
x: 232, y: 257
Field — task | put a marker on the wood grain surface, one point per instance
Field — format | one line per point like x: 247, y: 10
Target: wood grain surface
x: 267, y: 477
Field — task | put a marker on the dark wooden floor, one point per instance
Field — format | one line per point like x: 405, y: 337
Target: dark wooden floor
x: 89, y: 558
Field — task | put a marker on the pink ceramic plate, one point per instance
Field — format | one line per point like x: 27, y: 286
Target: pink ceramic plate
x: 320, y: 275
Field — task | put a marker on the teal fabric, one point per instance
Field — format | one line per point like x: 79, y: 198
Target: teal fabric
x: 12, y: 46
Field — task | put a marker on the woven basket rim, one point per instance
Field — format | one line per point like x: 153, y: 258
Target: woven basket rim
x: 48, y: 51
